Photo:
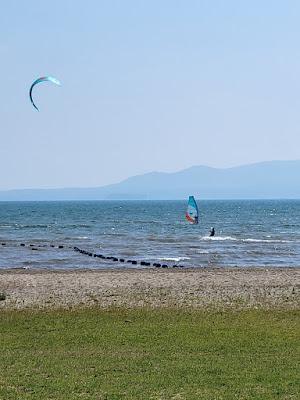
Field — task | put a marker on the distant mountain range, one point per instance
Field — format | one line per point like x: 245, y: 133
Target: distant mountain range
x: 272, y: 179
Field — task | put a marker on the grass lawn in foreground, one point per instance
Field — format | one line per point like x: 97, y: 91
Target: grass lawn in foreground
x: 149, y: 354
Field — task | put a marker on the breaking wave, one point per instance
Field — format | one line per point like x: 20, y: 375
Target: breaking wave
x: 253, y: 240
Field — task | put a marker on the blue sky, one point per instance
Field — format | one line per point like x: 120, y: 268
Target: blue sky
x: 146, y: 85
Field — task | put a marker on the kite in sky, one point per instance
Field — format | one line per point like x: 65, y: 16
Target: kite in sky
x: 40, y: 80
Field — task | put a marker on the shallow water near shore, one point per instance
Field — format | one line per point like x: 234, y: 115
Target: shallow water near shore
x: 248, y: 233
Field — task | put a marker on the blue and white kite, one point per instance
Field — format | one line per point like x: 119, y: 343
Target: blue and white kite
x: 40, y: 80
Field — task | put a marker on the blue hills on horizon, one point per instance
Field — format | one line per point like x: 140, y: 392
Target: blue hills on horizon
x: 264, y: 180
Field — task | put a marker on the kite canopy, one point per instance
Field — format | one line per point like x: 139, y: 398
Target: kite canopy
x: 40, y: 80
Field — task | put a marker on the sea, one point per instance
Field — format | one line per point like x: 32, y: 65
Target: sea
x: 249, y: 233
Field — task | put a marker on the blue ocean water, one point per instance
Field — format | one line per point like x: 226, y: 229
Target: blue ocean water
x: 248, y: 233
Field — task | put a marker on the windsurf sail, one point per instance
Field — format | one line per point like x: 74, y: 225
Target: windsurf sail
x: 192, y: 212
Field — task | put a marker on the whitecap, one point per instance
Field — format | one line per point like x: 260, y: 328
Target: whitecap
x: 218, y: 238
x: 176, y: 259
x: 253, y: 240
x: 266, y: 240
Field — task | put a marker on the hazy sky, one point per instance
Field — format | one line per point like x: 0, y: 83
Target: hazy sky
x: 146, y: 85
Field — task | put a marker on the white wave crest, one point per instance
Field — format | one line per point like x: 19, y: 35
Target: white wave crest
x: 253, y: 240
x: 266, y: 240
x: 176, y: 259
x: 218, y: 238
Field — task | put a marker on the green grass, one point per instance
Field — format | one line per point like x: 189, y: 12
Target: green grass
x: 146, y: 354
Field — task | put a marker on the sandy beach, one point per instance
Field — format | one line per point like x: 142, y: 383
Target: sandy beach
x: 130, y: 288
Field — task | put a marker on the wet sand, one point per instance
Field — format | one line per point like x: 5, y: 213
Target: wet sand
x: 197, y: 288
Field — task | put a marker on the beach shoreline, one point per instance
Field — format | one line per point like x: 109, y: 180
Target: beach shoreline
x: 203, y: 288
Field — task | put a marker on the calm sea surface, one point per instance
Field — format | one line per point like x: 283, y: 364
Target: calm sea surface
x: 248, y: 233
